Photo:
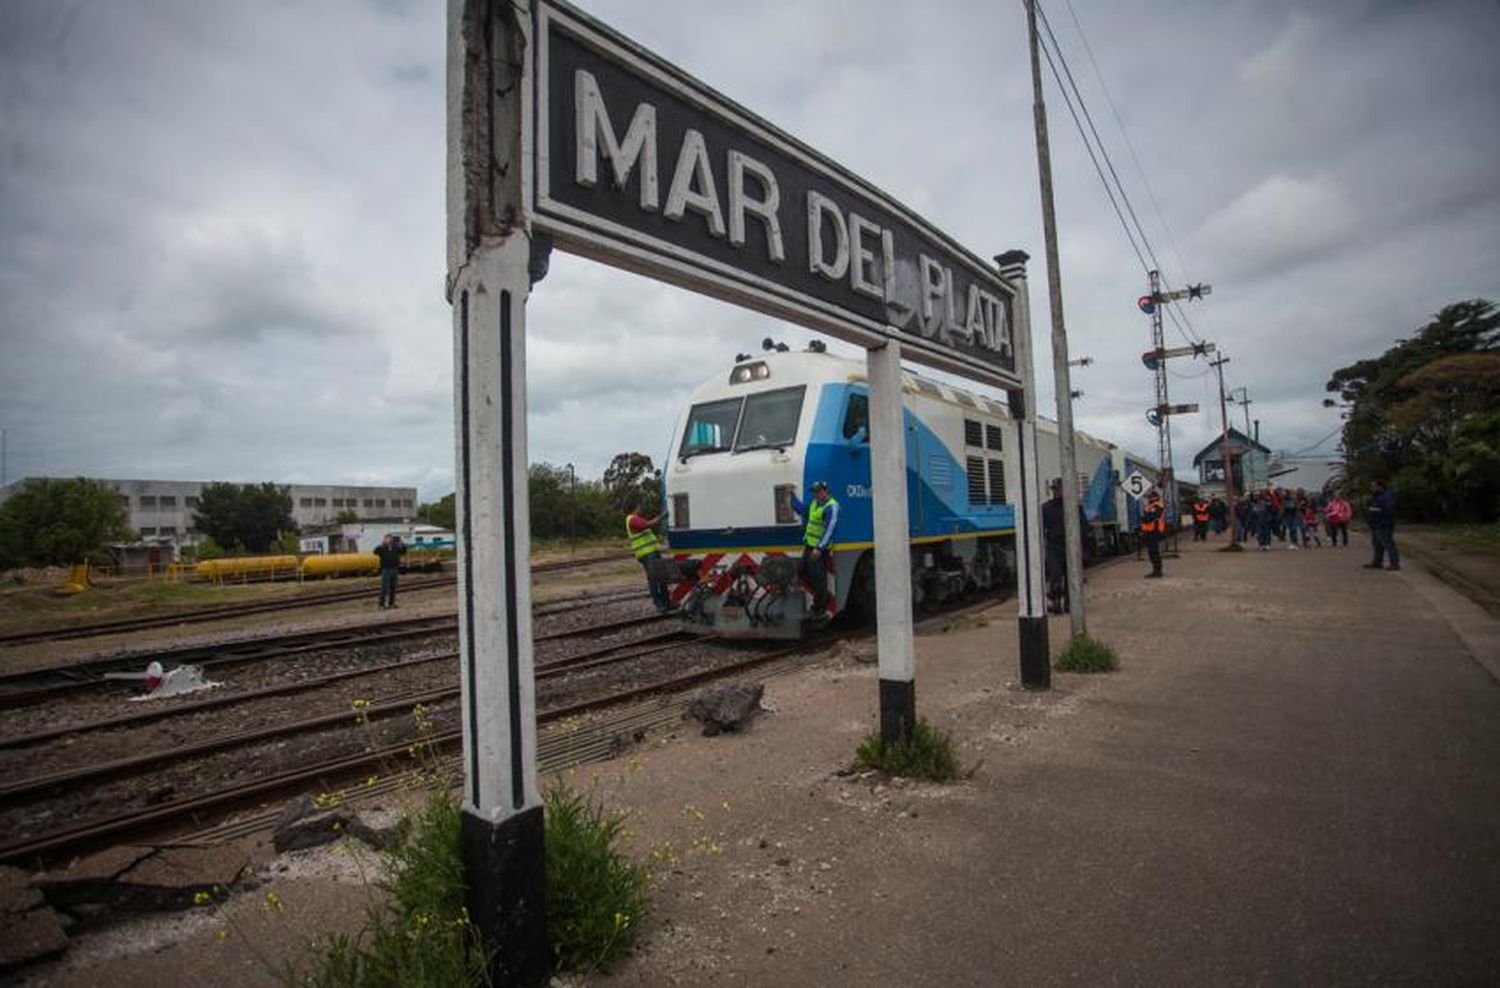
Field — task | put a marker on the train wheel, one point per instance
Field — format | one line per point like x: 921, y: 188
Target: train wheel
x: 860, y: 605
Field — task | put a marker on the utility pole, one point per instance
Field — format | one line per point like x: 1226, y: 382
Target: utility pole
x: 1234, y: 543
x: 4, y: 439
x: 1244, y: 402
x: 1072, y: 531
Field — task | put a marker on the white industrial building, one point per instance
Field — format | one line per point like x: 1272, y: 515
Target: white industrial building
x: 161, y: 511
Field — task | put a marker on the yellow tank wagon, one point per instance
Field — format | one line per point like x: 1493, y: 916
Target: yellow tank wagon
x: 246, y: 568
x: 340, y: 564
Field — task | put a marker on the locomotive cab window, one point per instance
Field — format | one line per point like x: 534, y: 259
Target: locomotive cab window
x: 710, y: 427
x: 770, y: 419
x: 857, y: 416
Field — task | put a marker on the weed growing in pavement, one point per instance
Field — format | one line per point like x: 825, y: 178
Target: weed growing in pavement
x: 596, y: 897
x: 417, y: 933
x: 1085, y: 654
x: 927, y: 754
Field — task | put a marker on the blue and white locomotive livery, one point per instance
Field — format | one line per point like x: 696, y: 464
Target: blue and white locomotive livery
x: 776, y: 423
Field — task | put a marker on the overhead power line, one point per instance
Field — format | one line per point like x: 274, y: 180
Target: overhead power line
x: 1135, y: 231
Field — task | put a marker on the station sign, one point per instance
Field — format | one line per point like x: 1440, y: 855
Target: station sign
x: 640, y: 165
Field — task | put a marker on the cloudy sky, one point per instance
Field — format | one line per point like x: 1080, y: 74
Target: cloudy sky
x: 222, y: 224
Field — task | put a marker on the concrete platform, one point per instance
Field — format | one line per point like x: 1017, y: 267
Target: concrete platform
x: 1294, y: 779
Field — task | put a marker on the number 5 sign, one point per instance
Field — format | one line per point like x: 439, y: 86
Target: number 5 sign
x: 1136, y: 485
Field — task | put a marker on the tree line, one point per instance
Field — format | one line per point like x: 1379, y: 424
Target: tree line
x: 55, y: 522
x: 1424, y: 416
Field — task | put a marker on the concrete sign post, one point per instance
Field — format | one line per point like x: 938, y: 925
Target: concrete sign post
x: 895, y: 651
x: 562, y: 131
x: 1021, y: 477
x: 489, y: 279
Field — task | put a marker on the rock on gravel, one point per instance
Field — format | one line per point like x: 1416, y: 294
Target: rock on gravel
x: 304, y: 824
x: 729, y: 707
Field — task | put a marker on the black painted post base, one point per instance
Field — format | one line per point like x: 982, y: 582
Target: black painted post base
x: 898, y: 710
x: 505, y: 870
x: 1036, y: 662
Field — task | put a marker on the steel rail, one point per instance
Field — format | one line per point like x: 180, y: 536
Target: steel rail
x: 93, y: 833
x: 205, y: 614
x: 91, y: 673
x: 62, y: 680
x: 212, y: 703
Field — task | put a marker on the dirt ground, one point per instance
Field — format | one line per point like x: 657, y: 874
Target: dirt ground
x: 1294, y: 778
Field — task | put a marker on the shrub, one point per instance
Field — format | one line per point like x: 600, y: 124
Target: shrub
x: 418, y: 933
x: 1085, y: 654
x: 596, y: 898
x: 927, y: 754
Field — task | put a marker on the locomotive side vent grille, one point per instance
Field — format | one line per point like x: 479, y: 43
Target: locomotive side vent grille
x: 994, y: 438
x: 973, y: 433
x: 997, y: 481
x: 976, y: 480
x: 680, y: 516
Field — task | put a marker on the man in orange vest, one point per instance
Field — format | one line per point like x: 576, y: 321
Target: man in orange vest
x: 1200, y: 520
x: 1153, y: 527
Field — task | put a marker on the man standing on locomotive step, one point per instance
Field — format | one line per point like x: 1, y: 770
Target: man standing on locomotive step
x: 1153, y: 527
x: 821, y: 515
x: 646, y: 548
x: 389, y: 552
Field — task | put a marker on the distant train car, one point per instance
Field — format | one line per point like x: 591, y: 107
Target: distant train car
x: 778, y: 422
x: 1112, y: 512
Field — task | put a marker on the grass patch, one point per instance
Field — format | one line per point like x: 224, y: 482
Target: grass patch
x: 596, y: 898
x: 418, y: 933
x: 927, y: 754
x: 1478, y: 537
x: 1085, y: 654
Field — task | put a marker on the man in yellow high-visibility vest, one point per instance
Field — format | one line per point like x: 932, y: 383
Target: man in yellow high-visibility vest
x: 646, y: 548
x: 821, y: 514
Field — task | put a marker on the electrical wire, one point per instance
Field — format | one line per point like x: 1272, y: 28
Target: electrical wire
x: 1108, y: 191
x: 1125, y: 135
x: 1140, y: 241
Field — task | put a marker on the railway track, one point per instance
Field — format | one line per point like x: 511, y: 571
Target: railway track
x: 386, y: 752
x: 219, y: 613
x: 38, y: 685
x: 327, y: 773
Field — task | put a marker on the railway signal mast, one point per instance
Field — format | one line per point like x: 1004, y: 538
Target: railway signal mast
x: 1156, y: 360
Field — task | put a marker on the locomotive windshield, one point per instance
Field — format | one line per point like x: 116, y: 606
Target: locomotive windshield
x: 710, y: 427
x: 770, y: 419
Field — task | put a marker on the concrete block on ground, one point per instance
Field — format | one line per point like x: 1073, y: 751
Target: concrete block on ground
x: 31, y: 936
x: 17, y: 894
x: 88, y: 879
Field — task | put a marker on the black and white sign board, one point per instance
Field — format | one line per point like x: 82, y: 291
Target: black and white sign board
x: 641, y: 166
x: 1136, y: 485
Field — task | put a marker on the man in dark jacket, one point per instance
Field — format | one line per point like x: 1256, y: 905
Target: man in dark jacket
x: 1382, y: 517
x: 389, y: 552
x: 1153, y: 527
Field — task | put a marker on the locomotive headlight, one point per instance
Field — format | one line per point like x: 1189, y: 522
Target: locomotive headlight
x: 746, y: 373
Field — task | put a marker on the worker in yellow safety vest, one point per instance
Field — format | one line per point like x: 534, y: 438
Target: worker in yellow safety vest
x: 821, y: 513
x: 646, y: 548
x: 1200, y: 520
x: 1153, y: 527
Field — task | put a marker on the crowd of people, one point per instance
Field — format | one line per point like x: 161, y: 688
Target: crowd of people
x: 1300, y: 519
